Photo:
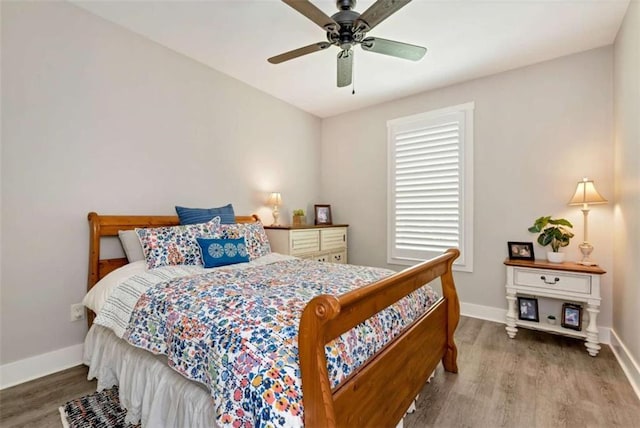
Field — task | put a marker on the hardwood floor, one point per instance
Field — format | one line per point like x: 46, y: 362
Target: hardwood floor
x: 35, y: 403
x: 534, y: 380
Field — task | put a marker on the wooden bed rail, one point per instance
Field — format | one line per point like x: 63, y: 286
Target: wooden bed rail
x: 363, y: 399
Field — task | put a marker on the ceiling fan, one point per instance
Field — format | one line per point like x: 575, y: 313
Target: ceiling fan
x: 348, y: 28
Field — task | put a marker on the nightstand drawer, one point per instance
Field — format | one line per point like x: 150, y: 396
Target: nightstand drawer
x: 553, y: 280
x: 304, y: 241
x: 331, y: 239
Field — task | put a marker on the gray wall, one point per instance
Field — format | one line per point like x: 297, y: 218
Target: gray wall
x: 538, y: 131
x: 96, y: 118
x: 627, y: 172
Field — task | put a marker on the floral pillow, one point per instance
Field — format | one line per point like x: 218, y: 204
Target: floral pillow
x: 177, y: 245
x: 253, y: 233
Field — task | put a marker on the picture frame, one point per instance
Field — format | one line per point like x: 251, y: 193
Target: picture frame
x: 323, y: 214
x: 572, y: 316
x: 520, y: 250
x: 528, y: 309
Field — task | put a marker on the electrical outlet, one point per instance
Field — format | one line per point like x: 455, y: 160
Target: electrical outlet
x: 77, y: 312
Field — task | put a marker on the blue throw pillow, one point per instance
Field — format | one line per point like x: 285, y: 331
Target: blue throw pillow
x: 203, y: 215
x: 222, y: 252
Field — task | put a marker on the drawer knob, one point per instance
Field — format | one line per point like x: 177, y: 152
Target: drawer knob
x: 555, y: 280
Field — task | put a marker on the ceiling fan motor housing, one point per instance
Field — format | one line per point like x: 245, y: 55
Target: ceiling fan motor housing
x: 346, y: 36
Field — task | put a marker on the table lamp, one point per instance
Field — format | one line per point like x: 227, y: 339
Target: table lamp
x: 586, y: 194
x: 276, y: 200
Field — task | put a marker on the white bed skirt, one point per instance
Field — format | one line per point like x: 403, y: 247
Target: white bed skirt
x: 150, y: 390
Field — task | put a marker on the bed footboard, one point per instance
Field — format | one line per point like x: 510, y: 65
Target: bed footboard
x: 381, y: 391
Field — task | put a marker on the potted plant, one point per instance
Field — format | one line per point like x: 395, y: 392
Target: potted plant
x: 551, y: 319
x: 553, y: 232
x: 298, y: 217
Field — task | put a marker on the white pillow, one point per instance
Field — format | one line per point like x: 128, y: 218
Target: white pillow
x: 131, y: 244
x: 100, y: 292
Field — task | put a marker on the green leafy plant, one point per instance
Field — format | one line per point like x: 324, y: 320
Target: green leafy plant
x: 553, y: 232
x: 298, y: 212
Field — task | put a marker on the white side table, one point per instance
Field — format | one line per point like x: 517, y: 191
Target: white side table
x: 569, y: 282
x: 323, y: 243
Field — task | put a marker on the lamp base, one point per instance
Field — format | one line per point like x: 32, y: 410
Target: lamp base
x: 586, y: 249
x: 276, y: 216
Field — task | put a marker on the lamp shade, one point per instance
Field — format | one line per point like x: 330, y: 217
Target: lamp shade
x: 586, y: 193
x: 274, y: 199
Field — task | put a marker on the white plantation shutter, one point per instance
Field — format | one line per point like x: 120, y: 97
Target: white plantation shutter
x: 430, y: 188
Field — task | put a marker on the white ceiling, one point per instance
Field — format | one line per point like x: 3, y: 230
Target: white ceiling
x: 465, y: 40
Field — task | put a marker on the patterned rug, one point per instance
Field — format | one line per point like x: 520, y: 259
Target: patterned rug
x: 97, y: 410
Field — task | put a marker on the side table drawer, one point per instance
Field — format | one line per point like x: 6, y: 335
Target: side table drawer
x: 304, y: 241
x: 333, y: 238
x: 553, y: 280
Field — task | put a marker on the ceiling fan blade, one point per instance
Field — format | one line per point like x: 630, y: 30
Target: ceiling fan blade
x: 390, y: 47
x: 309, y: 10
x: 298, y: 52
x: 345, y: 68
x: 378, y: 12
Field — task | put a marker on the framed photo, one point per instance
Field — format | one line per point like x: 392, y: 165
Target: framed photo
x: 528, y: 309
x: 572, y: 316
x: 323, y: 214
x: 521, y: 250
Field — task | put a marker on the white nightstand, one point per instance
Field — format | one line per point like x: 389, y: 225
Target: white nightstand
x: 324, y: 243
x: 569, y: 282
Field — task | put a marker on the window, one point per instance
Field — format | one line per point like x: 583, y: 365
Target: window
x: 430, y: 186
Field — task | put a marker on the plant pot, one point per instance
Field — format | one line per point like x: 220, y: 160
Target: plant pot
x: 299, y: 220
x: 551, y: 321
x: 555, y: 257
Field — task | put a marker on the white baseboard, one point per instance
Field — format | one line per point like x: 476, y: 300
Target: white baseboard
x: 629, y: 365
x: 488, y: 313
x: 499, y: 315
x: 21, y: 371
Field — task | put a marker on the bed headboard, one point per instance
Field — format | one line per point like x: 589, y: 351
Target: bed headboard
x: 108, y: 225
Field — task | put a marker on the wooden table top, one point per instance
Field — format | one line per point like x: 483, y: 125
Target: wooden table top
x: 568, y: 266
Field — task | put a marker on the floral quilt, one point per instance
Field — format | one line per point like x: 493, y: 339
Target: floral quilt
x: 236, y: 331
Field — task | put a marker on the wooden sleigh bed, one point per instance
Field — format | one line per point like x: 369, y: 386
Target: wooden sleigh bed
x: 380, y: 391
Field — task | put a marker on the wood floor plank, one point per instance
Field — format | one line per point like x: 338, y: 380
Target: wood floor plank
x: 35, y: 403
x: 534, y: 380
